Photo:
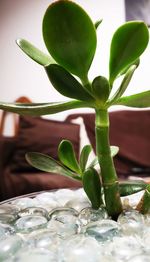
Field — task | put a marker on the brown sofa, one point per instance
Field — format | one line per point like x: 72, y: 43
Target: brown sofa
x: 36, y: 134
x: 130, y: 130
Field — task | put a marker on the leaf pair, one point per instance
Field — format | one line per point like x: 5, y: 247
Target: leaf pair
x: 69, y: 165
x: 73, y: 48
x: 61, y: 79
x: 68, y: 158
x: 90, y: 177
x: 47, y: 164
x: 71, y: 168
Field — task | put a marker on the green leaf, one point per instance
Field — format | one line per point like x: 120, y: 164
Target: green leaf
x: 100, y: 89
x: 34, y: 53
x: 86, y: 150
x: 38, y: 109
x: 136, y: 63
x: 92, y: 187
x: 144, y: 204
x: 94, y: 162
x: 47, y: 164
x: 66, y: 84
x: 70, y: 36
x: 128, y: 43
x: 97, y: 23
x: 114, y: 150
x: 125, y: 82
x: 131, y: 187
x: 140, y: 100
x: 67, y: 156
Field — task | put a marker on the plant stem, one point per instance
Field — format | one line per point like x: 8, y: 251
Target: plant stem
x: 108, y: 172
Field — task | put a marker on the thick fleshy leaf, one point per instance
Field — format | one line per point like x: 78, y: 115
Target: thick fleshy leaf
x: 97, y: 23
x: 67, y: 156
x: 93, y: 163
x: 66, y: 84
x: 128, y: 43
x: 38, y: 109
x: 136, y: 63
x: 34, y: 53
x: 125, y: 82
x: 140, y: 100
x: 144, y: 204
x: 100, y: 89
x: 47, y: 164
x: 70, y: 36
x: 114, y: 150
x: 130, y: 187
x: 92, y: 187
x: 86, y: 150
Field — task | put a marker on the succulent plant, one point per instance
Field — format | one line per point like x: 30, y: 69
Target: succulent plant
x: 71, y: 39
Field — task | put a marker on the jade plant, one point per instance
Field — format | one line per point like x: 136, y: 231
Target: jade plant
x: 71, y: 39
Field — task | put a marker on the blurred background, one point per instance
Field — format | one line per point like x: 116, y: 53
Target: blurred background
x: 19, y: 75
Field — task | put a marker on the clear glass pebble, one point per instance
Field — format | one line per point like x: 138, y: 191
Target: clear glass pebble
x: 80, y: 194
x: 78, y: 204
x: 125, y: 247
x: 43, y: 238
x: 37, y: 211
x: 147, y: 220
x: 146, y: 239
x: 107, y: 258
x: 64, y: 215
x: 63, y: 230
x: 131, y: 222
x: 10, y: 246
x: 50, y: 232
x: 47, y: 200
x: 7, y: 218
x: 89, y: 214
x: 66, y: 219
x: 103, y: 230
x: 38, y: 255
x: 6, y: 230
x: 29, y: 223
x: 62, y: 196
x: 140, y: 258
x: 25, y: 202
x: 81, y: 249
x: 133, y: 199
x: 9, y: 209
